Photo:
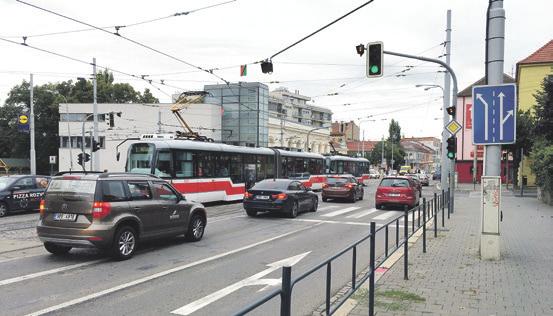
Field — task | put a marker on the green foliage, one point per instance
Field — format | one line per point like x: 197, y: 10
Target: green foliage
x: 46, y: 101
x: 544, y: 111
x: 375, y: 156
x: 394, y: 132
x: 525, y: 138
x: 542, y: 164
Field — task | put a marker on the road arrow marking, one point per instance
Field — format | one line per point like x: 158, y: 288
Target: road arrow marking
x: 486, y: 106
x: 252, y: 280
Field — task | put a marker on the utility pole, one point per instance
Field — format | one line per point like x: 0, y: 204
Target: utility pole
x: 95, y: 156
x: 159, y: 119
x: 32, y: 154
x: 495, y: 46
x: 447, y: 167
x: 382, y: 163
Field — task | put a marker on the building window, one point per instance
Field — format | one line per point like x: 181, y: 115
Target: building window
x: 79, y: 117
x: 76, y: 141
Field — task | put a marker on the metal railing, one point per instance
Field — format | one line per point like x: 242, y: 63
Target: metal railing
x: 429, y: 209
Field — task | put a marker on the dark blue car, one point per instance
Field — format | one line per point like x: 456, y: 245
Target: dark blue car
x: 21, y: 192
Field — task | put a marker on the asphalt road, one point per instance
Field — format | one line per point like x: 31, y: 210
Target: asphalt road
x: 236, y: 263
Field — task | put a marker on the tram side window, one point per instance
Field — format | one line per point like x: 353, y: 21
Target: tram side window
x: 236, y: 168
x: 340, y: 169
x: 204, y: 164
x: 261, y: 167
x: 315, y: 166
x: 163, y: 165
x: 222, y: 166
x: 184, y: 164
x: 270, y: 167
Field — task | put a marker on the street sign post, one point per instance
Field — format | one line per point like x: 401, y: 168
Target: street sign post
x: 494, y: 114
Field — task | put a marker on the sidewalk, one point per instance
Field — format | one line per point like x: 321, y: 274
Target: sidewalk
x: 450, y: 279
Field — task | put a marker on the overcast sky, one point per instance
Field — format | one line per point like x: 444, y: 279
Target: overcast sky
x: 245, y: 31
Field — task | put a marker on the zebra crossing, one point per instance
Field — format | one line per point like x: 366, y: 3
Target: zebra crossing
x: 335, y: 212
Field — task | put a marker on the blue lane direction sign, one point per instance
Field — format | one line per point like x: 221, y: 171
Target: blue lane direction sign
x: 494, y: 114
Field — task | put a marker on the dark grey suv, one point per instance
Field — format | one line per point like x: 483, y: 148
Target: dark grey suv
x: 113, y: 211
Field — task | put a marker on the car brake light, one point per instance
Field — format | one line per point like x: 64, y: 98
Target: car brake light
x: 42, y: 207
x: 247, y: 195
x: 280, y: 196
x: 100, y: 209
x: 349, y: 185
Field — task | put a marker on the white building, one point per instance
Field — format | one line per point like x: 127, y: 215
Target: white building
x: 292, y: 120
x: 135, y: 120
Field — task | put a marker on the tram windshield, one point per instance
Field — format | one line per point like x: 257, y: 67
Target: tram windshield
x: 140, y: 158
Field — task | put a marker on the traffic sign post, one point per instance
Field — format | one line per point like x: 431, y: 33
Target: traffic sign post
x: 494, y: 114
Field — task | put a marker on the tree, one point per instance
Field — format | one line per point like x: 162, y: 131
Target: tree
x: 525, y: 139
x: 394, y: 132
x: 544, y: 111
x: 46, y: 101
x: 376, y: 154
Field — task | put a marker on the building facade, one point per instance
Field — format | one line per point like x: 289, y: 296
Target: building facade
x: 531, y: 72
x: 349, y: 130
x: 418, y: 156
x: 292, y: 121
x: 135, y: 120
x: 466, y: 150
x: 245, y: 106
x: 436, y: 145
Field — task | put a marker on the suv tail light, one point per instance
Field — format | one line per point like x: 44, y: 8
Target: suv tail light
x: 42, y: 208
x: 100, y: 209
x: 280, y: 196
x: 247, y: 195
x: 349, y: 185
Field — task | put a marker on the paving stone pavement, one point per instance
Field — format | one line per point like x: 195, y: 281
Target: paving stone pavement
x: 450, y: 279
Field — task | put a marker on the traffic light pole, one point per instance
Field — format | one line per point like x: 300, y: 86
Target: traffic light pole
x: 453, y: 100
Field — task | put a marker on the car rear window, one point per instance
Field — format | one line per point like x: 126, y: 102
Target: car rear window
x: 72, y: 186
x: 271, y: 185
x: 337, y: 180
x: 389, y: 182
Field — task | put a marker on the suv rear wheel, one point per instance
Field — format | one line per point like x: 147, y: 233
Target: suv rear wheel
x: 124, y: 243
x: 56, y: 249
x: 196, y: 228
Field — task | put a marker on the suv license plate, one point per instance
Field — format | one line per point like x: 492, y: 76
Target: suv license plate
x: 262, y: 197
x: 65, y: 217
x: 393, y: 194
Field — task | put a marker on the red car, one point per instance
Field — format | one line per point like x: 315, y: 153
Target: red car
x: 397, y: 191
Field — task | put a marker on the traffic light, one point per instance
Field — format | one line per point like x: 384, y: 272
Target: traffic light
x: 451, y: 147
x: 80, y: 159
x: 451, y: 111
x: 86, y: 157
x: 95, y: 146
x: 375, y: 59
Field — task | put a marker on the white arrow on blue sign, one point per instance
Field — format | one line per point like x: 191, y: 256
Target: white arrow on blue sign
x: 494, y: 114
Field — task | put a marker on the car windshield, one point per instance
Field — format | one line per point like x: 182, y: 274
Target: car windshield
x: 390, y: 182
x: 271, y: 185
x: 337, y: 180
x: 72, y: 186
x: 5, y: 182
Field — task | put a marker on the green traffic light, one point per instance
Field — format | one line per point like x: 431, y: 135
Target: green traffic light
x: 450, y: 155
x: 374, y: 69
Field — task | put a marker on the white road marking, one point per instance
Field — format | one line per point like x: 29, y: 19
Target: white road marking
x: 363, y: 213
x: 327, y: 221
x: 386, y: 215
x: 21, y: 257
x: 339, y: 212
x: 48, y: 272
x: 327, y: 207
x: 160, y: 274
x: 255, y: 279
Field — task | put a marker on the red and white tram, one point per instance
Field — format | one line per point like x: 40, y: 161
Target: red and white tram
x: 207, y: 172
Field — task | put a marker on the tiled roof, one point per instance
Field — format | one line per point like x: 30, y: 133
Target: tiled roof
x: 358, y: 145
x: 409, y: 145
x: 542, y: 55
x: 467, y: 92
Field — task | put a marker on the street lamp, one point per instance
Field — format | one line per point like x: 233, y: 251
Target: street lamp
x: 430, y: 86
x: 309, y: 133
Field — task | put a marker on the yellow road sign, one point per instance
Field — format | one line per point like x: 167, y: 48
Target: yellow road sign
x: 23, y: 119
x: 453, y: 127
